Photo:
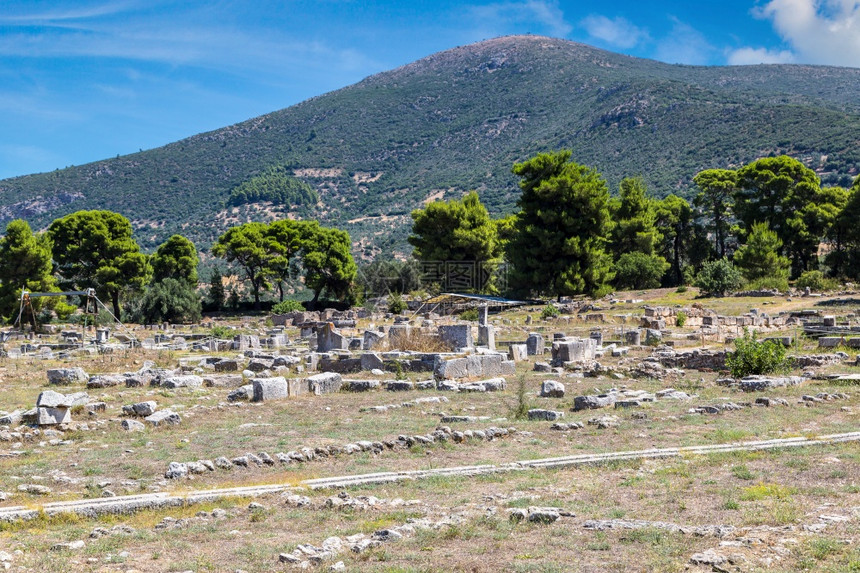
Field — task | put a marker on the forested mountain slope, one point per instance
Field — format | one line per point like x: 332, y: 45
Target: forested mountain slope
x: 456, y: 121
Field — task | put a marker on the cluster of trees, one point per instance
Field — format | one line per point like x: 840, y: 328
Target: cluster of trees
x: 284, y: 251
x: 96, y: 249
x: 571, y: 236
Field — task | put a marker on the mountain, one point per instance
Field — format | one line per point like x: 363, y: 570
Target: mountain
x: 456, y: 121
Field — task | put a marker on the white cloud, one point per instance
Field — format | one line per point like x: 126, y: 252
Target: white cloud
x: 617, y: 32
x: 117, y: 31
x: 499, y: 17
x: 819, y: 31
x: 752, y: 56
x: 684, y: 45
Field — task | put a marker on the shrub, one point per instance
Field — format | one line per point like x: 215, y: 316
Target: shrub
x: 549, y: 311
x: 470, y: 314
x: 719, y: 277
x: 519, y: 410
x: 396, y: 304
x: 286, y: 306
x: 639, y: 271
x: 816, y: 281
x: 222, y: 332
x: 680, y: 318
x: 752, y: 356
x: 779, y: 283
x: 169, y: 300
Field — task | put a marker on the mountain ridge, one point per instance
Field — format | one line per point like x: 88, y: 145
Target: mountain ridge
x: 457, y: 120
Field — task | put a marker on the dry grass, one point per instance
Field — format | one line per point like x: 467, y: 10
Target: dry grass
x: 788, y: 488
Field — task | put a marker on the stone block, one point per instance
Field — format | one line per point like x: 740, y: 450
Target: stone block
x: 324, y: 383
x: 451, y: 368
x: 259, y: 365
x: 456, y: 336
x: 164, y: 418
x: 67, y: 375
x: 573, y: 350
x: 371, y: 360
x: 245, y: 342
x: 653, y: 337
x: 51, y: 399
x: 552, y: 389
x: 487, y: 336
x: 518, y: 352
x: 269, y: 388
x: 11, y: 418
x: 507, y: 368
x: 227, y: 365
x: 535, y: 345
x: 593, y: 402
x: 329, y: 339
x: 372, y: 339
x: 241, y: 393
x: 547, y: 415
x: 186, y: 381
x: 53, y: 416
x: 106, y: 381
x: 132, y: 426
x: 633, y: 338
x: 829, y: 341
x: 399, y: 386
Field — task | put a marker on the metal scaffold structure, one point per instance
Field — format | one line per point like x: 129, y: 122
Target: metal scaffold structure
x: 91, y: 307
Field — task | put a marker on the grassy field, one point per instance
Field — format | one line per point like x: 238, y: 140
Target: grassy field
x: 774, y: 500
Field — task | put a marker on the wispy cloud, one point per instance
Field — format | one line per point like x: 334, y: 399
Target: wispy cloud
x: 617, y: 32
x: 819, y: 31
x: 752, y: 56
x: 501, y: 17
x: 684, y: 45
x: 113, y: 31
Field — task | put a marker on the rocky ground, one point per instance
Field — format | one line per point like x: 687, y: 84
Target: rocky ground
x: 614, y: 449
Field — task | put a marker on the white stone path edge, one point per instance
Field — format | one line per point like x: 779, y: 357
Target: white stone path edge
x: 131, y: 503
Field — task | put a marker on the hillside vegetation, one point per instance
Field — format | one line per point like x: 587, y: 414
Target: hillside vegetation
x: 458, y: 120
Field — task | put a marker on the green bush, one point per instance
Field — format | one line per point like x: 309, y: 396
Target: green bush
x: 639, y: 271
x: 719, y: 277
x: 680, y: 318
x: 286, y: 306
x: 816, y: 281
x: 470, y: 314
x: 169, y: 300
x: 779, y: 283
x: 396, y: 304
x: 222, y: 332
x: 549, y: 311
x: 752, y: 356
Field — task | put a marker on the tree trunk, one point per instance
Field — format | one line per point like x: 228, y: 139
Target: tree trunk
x: 114, y: 295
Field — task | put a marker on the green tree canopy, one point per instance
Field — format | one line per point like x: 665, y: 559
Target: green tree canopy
x: 217, y: 293
x: 25, y: 262
x: 716, y: 203
x: 785, y: 194
x: 286, y: 240
x: 177, y: 259
x: 759, y: 258
x: 634, y: 215
x: 95, y: 249
x: 247, y: 245
x: 844, y: 233
x: 170, y: 299
x: 562, y: 230
x: 456, y: 230
x: 675, y: 222
x: 328, y: 262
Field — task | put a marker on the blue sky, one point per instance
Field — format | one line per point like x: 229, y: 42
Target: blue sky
x: 86, y: 80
